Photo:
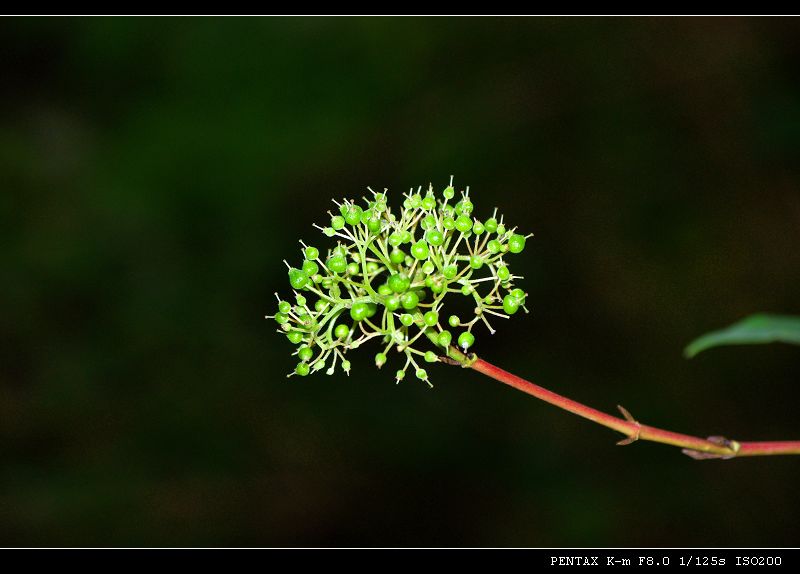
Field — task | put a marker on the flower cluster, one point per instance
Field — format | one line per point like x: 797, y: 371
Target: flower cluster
x: 389, y: 276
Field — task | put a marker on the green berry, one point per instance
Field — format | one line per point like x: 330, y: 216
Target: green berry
x: 476, y: 261
x: 399, y: 282
x: 420, y: 250
x: 494, y: 246
x: 516, y: 243
x: 490, y: 225
x: 501, y: 229
x: 392, y: 303
x: 435, y: 237
x: 341, y: 331
x: 400, y: 375
x: 380, y: 360
x: 284, y: 307
x: 353, y: 269
x: 450, y: 271
x: 406, y: 319
x: 510, y: 304
x: 384, y: 290
x: 464, y: 207
x: 466, y: 340
x: 503, y: 274
x: 337, y: 222
x: 453, y: 321
x: 477, y: 227
x: 311, y: 253
x: 519, y: 295
x: 397, y: 256
x: 297, y: 278
x: 359, y: 311
x: 305, y: 353
x: 302, y: 369
x: 428, y: 267
x: 337, y: 264
x: 396, y: 239
x: 294, y: 337
x: 430, y: 357
x: 449, y: 192
x: 463, y: 223
x: 310, y: 268
x: 444, y: 338
x: 352, y: 215
x: 421, y: 374
x: 429, y: 202
x: 431, y: 318
x: 409, y: 300
x: 281, y: 318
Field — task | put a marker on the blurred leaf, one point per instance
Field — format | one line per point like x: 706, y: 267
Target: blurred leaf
x: 754, y: 330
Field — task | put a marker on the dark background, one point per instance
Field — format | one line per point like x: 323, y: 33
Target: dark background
x: 154, y: 172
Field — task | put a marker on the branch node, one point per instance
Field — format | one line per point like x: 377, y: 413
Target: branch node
x: 471, y: 358
x: 732, y: 445
x: 467, y: 363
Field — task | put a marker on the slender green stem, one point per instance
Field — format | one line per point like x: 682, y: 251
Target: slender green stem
x: 698, y: 448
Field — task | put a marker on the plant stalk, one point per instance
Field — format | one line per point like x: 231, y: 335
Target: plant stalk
x: 695, y: 447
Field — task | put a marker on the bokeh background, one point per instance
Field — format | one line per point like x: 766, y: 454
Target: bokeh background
x: 155, y: 172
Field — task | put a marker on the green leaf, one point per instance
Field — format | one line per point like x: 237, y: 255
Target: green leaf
x: 754, y: 330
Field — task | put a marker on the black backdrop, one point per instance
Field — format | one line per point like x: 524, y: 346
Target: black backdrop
x: 153, y: 174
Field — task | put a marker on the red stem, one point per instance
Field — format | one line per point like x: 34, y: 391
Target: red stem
x: 713, y: 447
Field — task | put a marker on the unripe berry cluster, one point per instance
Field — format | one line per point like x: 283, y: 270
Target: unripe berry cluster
x: 389, y: 276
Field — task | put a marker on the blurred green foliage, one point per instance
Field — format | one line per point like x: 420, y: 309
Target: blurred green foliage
x: 154, y: 172
x: 756, y: 329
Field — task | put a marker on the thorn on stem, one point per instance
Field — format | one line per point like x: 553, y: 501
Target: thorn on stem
x: 629, y: 417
